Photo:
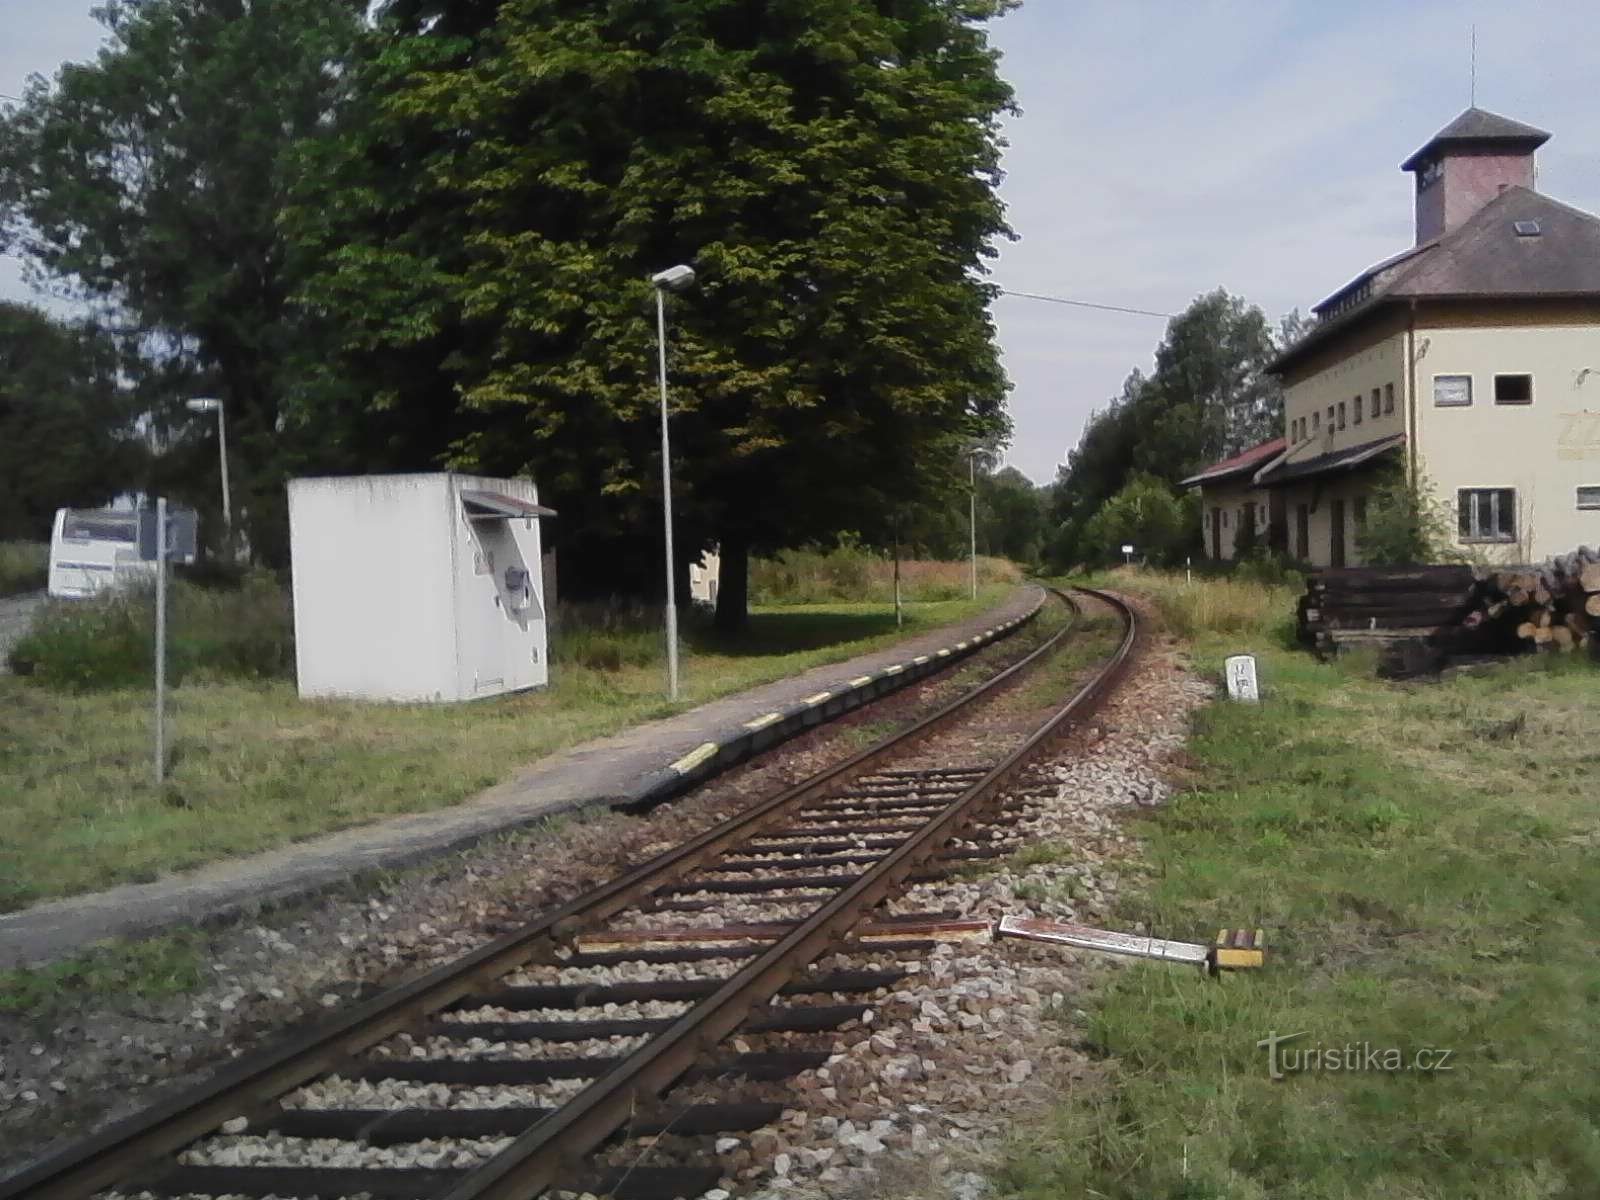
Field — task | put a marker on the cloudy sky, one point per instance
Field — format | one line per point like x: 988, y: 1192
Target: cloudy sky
x: 1165, y: 149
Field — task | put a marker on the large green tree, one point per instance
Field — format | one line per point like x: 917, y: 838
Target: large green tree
x: 65, y: 423
x: 1209, y: 396
x: 513, y: 174
x: 149, y: 184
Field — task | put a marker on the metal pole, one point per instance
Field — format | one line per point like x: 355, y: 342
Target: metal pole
x: 899, y: 620
x: 227, y: 501
x: 972, y: 479
x: 666, y: 499
x: 161, y: 640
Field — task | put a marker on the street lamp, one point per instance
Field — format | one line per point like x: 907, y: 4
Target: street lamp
x: 673, y: 279
x: 208, y: 404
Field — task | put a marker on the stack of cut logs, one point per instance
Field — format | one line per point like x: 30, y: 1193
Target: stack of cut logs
x: 1384, y: 605
x: 1554, y: 605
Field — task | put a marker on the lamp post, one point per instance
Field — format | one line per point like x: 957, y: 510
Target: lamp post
x: 673, y: 279
x: 207, y: 404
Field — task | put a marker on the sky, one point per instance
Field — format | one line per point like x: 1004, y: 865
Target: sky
x: 1164, y: 149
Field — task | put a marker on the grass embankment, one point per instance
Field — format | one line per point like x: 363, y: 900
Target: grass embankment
x: 24, y: 567
x: 1423, y: 859
x: 255, y: 767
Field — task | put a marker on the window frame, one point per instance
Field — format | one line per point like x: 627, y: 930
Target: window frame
x: 1477, y: 537
x: 1578, y: 497
x: 1467, y: 403
x: 1342, y: 414
x: 1388, y: 399
x: 1355, y: 413
x: 1376, y: 402
x: 1499, y: 375
x: 1316, y: 421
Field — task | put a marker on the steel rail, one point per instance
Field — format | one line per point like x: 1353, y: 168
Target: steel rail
x: 250, y: 1084
x: 553, y: 1147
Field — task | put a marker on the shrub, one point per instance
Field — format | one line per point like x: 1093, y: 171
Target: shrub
x: 245, y: 631
x: 1405, y: 523
x: 24, y: 567
x: 851, y: 573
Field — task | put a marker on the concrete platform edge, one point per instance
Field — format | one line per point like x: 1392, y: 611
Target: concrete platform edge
x: 714, y: 758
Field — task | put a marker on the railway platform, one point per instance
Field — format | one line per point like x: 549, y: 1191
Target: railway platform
x: 634, y: 768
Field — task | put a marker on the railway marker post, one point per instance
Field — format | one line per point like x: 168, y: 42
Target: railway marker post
x: 1241, y: 672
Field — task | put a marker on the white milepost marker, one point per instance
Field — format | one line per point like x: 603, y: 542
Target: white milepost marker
x: 161, y: 640
x: 1241, y: 672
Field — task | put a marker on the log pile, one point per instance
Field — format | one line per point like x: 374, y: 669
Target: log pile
x: 1383, y: 606
x: 1554, y: 605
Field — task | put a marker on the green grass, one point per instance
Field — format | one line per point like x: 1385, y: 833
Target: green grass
x: 255, y: 767
x: 24, y: 567
x: 154, y: 968
x: 1423, y: 859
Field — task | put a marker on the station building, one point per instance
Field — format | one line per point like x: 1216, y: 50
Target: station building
x: 1471, y: 359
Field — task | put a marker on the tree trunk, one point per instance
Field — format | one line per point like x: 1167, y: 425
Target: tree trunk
x: 733, y: 585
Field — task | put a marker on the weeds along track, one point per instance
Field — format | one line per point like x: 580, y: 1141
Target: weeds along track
x: 605, y: 1046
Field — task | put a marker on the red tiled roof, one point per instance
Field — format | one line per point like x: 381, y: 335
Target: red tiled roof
x: 1237, y: 465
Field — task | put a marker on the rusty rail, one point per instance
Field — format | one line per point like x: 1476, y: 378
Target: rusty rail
x: 535, y: 1160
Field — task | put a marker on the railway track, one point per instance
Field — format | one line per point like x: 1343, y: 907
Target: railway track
x: 606, y: 1046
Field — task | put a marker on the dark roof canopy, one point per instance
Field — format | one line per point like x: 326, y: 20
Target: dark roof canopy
x: 494, y: 505
x: 1477, y: 129
x: 1325, y: 464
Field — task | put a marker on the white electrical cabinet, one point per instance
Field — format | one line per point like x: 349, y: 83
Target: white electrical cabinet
x: 417, y: 587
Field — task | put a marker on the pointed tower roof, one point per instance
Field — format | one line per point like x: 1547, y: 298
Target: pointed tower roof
x: 1477, y: 128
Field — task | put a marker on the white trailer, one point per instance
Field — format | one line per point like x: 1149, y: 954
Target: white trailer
x: 417, y: 587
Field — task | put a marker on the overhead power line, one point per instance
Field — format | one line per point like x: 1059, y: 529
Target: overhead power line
x: 1138, y: 312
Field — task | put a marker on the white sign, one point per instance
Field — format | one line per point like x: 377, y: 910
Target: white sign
x: 1241, y: 673
x: 1127, y: 549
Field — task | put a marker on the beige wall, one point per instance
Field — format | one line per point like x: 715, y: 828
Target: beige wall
x: 1379, y: 363
x: 1545, y: 450
x: 1319, y: 498
x: 1230, y: 497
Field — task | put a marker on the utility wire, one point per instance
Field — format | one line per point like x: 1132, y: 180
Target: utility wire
x: 1138, y: 312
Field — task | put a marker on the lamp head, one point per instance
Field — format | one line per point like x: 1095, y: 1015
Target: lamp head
x: 674, y: 279
x: 203, y: 404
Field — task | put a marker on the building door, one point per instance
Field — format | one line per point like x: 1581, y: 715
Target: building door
x: 1302, y: 532
x: 1336, y: 533
x: 1216, y: 534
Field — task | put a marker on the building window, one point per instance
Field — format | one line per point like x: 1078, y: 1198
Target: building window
x: 1330, y: 418
x: 1316, y: 422
x: 1589, y: 495
x: 1341, y: 414
x: 1355, y: 409
x: 1487, y: 514
x: 1375, y: 403
x: 1224, y: 518
x: 1452, y: 391
x: 1359, y: 513
x: 1388, y: 399
x: 1513, y: 389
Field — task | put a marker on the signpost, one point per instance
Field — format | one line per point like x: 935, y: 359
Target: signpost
x: 1127, y: 553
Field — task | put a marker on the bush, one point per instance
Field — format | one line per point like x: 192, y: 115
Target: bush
x: 852, y: 574
x: 107, y: 642
x: 24, y: 567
